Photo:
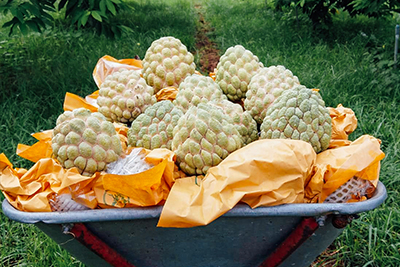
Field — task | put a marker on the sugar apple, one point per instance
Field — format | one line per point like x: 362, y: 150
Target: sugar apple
x: 85, y: 140
x: 197, y: 89
x: 265, y: 86
x: 203, y: 137
x: 124, y: 95
x: 153, y: 128
x: 243, y: 121
x: 299, y: 113
x: 166, y: 63
x: 234, y: 71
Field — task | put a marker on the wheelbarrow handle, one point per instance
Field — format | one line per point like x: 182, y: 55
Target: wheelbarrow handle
x: 95, y: 244
x: 306, y: 227
x: 304, y: 230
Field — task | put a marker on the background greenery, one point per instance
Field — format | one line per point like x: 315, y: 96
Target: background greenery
x: 352, y: 64
x: 321, y: 12
x: 34, y: 15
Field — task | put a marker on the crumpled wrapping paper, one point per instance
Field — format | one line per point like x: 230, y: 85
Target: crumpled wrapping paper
x: 270, y: 172
x: 30, y: 190
x: 249, y: 175
x: 148, y: 188
x: 107, y: 65
x: 39, y: 150
x: 167, y: 93
x: 336, y: 166
x: 344, y: 122
x: 72, y: 101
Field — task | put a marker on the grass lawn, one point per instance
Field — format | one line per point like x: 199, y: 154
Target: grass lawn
x: 351, y: 65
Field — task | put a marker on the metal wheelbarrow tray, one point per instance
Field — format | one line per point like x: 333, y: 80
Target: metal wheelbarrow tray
x: 285, y: 235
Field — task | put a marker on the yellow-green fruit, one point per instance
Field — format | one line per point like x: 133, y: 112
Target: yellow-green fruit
x: 243, y: 121
x: 85, y: 140
x: 167, y: 62
x: 265, y: 87
x: 234, y: 71
x: 196, y: 89
x: 124, y: 95
x: 153, y: 128
x: 299, y: 113
x: 204, y: 136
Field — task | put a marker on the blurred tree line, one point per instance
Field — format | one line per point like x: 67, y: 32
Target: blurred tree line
x: 37, y: 15
x: 320, y: 11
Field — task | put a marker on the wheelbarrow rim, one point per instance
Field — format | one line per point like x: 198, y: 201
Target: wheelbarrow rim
x: 240, y: 210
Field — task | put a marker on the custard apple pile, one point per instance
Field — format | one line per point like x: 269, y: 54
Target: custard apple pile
x: 153, y: 128
x: 299, y: 114
x: 234, y: 71
x: 204, y: 136
x: 167, y: 62
x: 265, y: 87
x: 243, y: 121
x: 204, y: 123
x: 197, y: 89
x: 124, y: 95
x: 85, y: 140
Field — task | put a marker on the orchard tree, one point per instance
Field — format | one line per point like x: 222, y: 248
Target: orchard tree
x: 36, y: 15
x: 320, y: 11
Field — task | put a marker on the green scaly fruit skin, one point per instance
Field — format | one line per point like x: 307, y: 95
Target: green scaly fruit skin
x: 299, y: 114
x: 265, y: 87
x: 124, y: 95
x: 196, y: 89
x: 234, y: 71
x: 167, y: 62
x: 203, y: 137
x: 85, y: 140
x: 154, y: 128
x: 243, y: 121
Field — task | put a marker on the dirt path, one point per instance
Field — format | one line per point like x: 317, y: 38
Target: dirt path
x: 207, y: 50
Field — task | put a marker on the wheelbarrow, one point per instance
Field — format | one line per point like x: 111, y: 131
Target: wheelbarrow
x: 285, y: 235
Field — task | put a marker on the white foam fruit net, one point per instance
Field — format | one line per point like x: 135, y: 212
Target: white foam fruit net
x: 64, y: 202
x: 131, y: 164
x: 355, y: 187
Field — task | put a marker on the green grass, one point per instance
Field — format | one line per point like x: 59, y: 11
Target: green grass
x: 351, y: 66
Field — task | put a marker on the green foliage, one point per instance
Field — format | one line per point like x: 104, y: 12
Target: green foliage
x: 36, y: 15
x: 375, y: 8
x: 385, y: 76
x: 320, y: 11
